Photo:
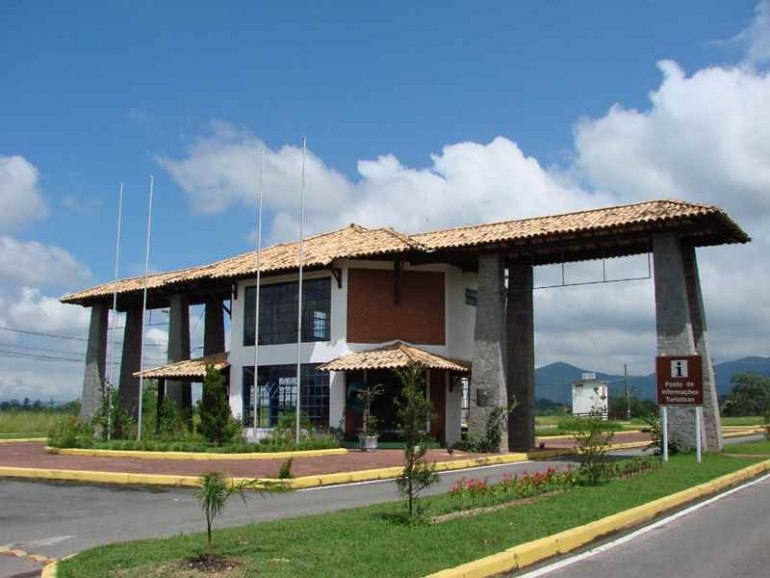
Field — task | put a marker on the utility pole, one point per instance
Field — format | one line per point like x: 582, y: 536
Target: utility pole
x: 628, y: 392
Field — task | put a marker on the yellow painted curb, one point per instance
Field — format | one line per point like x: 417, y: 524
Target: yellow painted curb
x: 203, y: 456
x: 570, y: 436
x: 531, y: 552
x: 49, y: 571
x: 21, y: 440
x: 99, y: 477
x: 743, y: 432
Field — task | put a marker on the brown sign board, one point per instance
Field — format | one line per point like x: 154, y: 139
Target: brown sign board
x: 679, y: 380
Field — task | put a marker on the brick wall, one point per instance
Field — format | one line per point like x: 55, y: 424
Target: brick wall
x: 373, y: 315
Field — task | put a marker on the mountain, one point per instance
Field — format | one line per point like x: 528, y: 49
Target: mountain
x: 554, y: 381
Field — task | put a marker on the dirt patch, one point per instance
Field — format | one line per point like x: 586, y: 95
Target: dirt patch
x: 217, y: 567
x: 488, y: 509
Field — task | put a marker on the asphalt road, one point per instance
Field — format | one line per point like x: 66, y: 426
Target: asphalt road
x: 57, y: 519
x: 729, y: 538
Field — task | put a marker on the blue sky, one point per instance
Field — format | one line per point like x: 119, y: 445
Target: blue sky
x: 95, y: 93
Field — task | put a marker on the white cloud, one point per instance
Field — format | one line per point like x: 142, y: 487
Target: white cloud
x: 33, y: 263
x: 20, y: 196
x: 756, y: 37
x: 32, y: 311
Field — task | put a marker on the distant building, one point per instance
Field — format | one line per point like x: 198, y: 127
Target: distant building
x: 589, y: 395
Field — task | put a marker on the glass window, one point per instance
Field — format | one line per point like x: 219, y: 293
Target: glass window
x: 471, y: 297
x: 277, y: 394
x: 278, y: 312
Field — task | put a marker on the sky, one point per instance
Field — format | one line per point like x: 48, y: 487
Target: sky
x: 417, y: 116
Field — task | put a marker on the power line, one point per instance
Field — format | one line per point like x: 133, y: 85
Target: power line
x: 38, y: 356
x: 15, y: 346
x: 41, y: 334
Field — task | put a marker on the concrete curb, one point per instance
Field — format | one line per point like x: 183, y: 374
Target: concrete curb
x: 167, y: 480
x: 49, y: 570
x: 530, y: 553
x: 743, y: 432
x: 21, y: 440
x: 202, y: 456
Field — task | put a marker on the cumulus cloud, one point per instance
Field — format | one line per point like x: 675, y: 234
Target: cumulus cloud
x: 756, y: 37
x: 33, y: 263
x: 20, y: 195
x: 32, y: 311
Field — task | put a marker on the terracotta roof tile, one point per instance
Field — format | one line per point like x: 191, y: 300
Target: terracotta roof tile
x: 188, y: 368
x: 392, y: 356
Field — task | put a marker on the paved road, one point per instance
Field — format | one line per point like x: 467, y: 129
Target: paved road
x: 729, y: 538
x: 56, y: 519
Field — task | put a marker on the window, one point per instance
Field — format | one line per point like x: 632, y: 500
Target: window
x: 465, y: 404
x: 277, y: 394
x: 278, y: 312
x: 471, y: 296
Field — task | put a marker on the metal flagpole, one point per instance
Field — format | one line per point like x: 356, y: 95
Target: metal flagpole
x: 144, y: 310
x: 259, y: 278
x: 698, y: 442
x: 299, y: 292
x: 114, y: 315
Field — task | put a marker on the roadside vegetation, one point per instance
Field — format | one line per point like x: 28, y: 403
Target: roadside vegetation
x: 362, y: 541
x: 28, y: 418
x: 211, y: 427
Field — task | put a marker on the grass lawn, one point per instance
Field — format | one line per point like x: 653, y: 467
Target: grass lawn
x: 365, y: 542
x: 28, y: 423
x: 761, y: 447
x: 747, y: 420
x: 17, y: 435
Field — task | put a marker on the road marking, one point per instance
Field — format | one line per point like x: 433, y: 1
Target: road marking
x: 392, y: 480
x: 545, y: 570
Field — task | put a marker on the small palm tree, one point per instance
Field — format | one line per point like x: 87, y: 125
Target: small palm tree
x: 214, y: 491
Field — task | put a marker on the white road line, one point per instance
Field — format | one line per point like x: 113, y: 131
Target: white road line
x: 391, y: 480
x: 545, y: 570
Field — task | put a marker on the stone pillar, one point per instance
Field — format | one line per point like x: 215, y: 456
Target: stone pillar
x: 96, y: 359
x: 128, y: 388
x: 213, y: 327
x: 674, y: 325
x: 520, y: 338
x: 488, y: 372
x: 712, y: 424
x: 179, y: 349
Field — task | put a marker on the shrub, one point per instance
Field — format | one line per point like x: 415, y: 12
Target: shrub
x: 493, y: 435
x: 593, y: 440
x: 217, y: 424
x: 284, y: 471
x: 413, y: 413
x: 212, y: 495
x: 70, y: 432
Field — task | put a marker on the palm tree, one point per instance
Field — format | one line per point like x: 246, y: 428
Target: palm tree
x: 214, y: 491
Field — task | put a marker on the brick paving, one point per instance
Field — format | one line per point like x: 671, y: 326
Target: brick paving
x: 33, y: 455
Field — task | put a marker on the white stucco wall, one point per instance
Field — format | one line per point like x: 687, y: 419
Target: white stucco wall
x: 459, y: 336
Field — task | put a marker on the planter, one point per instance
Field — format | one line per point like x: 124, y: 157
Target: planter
x: 368, y: 443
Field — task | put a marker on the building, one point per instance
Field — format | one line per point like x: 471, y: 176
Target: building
x: 458, y: 300
x: 590, y: 396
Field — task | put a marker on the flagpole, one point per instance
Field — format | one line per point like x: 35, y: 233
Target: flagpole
x: 299, y: 293
x: 111, y: 382
x: 259, y: 280
x: 144, y: 310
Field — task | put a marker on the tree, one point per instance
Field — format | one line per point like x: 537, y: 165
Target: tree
x: 749, y: 395
x: 214, y: 491
x: 217, y: 424
x: 413, y: 416
x: 593, y: 440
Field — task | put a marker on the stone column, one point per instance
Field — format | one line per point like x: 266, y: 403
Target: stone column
x: 674, y: 325
x: 96, y: 359
x: 128, y: 388
x: 520, y: 338
x: 488, y: 372
x: 213, y: 327
x: 712, y: 424
x: 179, y: 349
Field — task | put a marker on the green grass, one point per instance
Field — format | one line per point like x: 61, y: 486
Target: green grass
x: 366, y: 542
x: 29, y: 423
x: 747, y: 420
x: 23, y: 434
x: 761, y: 447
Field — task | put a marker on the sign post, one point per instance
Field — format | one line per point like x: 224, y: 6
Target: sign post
x: 680, y: 384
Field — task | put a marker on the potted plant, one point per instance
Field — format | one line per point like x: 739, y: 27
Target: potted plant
x: 369, y: 434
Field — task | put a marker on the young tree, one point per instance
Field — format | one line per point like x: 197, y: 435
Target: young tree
x: 217, y: 424
x: 214, y: 491
x: 413, y: 415
x: 593, y: 439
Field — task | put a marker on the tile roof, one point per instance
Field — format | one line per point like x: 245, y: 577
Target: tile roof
x: 188, y: 368
x: 392, y: 356
x: 594, y: 220
x: 359, y: 242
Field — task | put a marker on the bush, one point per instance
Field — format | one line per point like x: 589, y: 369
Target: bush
x: 492, y: 439
x: 593, y: 440
x: 70, y: 432
x: 217, y: 424
x: 284, y: 472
